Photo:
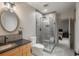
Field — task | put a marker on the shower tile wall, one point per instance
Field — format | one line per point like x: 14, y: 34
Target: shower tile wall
x: 46, y: 29
x: 38, y: 16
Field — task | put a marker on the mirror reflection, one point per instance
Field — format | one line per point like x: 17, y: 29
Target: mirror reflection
x: 9, y: 20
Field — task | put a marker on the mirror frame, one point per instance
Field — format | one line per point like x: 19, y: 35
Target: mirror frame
x: 18, y: 21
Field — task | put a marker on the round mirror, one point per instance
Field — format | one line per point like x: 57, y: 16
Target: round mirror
x: 9, y: 20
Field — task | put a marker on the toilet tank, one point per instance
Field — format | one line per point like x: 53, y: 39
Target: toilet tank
x: 33, y: 39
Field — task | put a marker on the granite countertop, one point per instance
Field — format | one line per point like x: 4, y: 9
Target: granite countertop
x: 11, y: 45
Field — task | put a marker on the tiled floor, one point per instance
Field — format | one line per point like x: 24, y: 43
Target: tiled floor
x: 65, y: 41
x: 61, y: 49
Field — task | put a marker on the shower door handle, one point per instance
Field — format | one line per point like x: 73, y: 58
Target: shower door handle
x: 40, y: 29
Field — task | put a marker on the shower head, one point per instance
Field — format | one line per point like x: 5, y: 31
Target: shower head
x: 43, y: 17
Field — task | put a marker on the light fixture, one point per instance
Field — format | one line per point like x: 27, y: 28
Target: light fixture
x: 45, y: 6
x: 45, y: 10
x: 9, y: 5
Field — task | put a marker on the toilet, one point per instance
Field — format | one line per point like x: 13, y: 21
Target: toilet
x: 37, y: 48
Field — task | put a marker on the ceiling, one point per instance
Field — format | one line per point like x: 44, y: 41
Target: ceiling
x: 59, y: 7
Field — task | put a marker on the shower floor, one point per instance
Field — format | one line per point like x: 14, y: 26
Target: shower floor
x: 49, y: 48
x: 49, y: 45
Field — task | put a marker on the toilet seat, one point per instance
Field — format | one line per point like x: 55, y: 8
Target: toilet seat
x: 37, y: 48
x: 38, y: 45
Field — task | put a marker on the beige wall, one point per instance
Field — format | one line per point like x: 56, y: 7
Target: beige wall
x: 65, y: 15
x: 27, y: 16
x: 27, y: 19
x: 2, y: 32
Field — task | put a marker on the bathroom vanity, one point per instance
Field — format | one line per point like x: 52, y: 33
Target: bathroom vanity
x: 12, y: 44
x: 20, y: 47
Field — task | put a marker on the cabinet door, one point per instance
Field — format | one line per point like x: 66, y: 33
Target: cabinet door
x: 13, y: 52
x: 26, y: 50
x: 29, y: 49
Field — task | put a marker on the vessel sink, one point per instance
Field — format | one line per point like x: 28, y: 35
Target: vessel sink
x: 7, y: 46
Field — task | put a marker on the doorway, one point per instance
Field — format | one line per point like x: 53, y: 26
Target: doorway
x: 68, y: 33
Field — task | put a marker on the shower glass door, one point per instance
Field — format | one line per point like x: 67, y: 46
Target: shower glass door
x: 45, y: 31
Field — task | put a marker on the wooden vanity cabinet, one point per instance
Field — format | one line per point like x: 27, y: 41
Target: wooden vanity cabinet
x: 24, y: 50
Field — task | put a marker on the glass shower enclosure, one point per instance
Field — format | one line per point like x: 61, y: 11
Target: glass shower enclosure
x: 46, y: 31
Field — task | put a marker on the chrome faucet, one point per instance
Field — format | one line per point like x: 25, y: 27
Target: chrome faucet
x: 5, y: 37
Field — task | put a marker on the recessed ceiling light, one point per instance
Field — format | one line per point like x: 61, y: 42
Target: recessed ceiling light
x: 45, y: 10
x: 45, y: 5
